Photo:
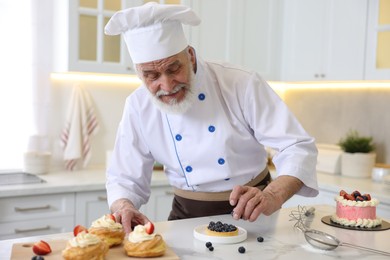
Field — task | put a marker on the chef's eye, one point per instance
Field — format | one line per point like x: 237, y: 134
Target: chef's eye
x: 174, y: 69
x: 151, y: 76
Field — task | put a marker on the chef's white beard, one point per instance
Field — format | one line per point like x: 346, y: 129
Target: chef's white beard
x: 175, y: 107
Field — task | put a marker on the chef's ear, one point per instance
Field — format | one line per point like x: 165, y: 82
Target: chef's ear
x: 192, y: 56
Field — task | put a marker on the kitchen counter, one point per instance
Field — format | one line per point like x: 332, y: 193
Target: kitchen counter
x: 69, y: 181
x: 281, y: 239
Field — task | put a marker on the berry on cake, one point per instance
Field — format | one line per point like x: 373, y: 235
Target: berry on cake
x: 221, y: 229
x: 356, y: 210
x: 144, y: 242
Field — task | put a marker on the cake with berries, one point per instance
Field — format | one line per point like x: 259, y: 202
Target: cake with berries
x: 221, y: 229
x: 356, y: 210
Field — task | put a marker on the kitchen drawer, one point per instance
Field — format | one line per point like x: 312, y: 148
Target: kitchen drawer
x: 36, y: 207
x: 36, y: 227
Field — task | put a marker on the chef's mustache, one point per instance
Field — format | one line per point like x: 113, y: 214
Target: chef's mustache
x: 176, y: 89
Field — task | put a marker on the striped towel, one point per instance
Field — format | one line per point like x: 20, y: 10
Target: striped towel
x: 81, y: 124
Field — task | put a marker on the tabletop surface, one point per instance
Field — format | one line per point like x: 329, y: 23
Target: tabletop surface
x: 281, y: 239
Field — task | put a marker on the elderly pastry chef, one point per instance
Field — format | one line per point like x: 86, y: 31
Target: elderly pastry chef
x: 208, y: 123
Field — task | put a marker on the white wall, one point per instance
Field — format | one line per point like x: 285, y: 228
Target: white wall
x: 328, y: 114
x: 108, y: 98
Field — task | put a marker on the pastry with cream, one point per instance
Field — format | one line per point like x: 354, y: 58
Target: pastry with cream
x: 85, y: 246
x: 143, y: 242
x: 108, y: 230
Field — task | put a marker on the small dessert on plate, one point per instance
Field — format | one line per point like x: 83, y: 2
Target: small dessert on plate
x: 143, y: 242
x: 221, y: 229
x: 108, y: 230
x: 85, y: 246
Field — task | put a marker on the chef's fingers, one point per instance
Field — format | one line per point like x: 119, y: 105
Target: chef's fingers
x: 254, y: 198
x: 245, y: 201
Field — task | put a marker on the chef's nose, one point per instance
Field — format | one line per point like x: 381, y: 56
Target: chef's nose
x: 166, y: 82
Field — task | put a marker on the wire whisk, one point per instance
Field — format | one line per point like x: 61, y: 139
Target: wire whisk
x: 300, y: 216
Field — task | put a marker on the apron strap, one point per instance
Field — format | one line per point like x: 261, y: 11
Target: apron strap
x: 222, y: 195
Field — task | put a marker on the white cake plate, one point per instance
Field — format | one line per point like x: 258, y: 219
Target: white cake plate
x: 200, y: 234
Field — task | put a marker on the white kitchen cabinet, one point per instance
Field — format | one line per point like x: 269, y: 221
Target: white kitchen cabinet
x: 79, y: 40
x: 324, y: 197
x: 159, y: 204
x: 90, y: 206
x: 324, y: 40
x: 245, y: 33
x: 36, y: 215
x: 378, y: 40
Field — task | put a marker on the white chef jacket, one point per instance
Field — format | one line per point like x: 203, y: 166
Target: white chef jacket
x: 216, y: 144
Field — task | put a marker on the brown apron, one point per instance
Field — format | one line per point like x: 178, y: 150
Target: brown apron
x: 189, y: 204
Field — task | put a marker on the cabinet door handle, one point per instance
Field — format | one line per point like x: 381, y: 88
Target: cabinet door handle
x: 101, y: 198
x: 17, y: 231
x: 17, y: 209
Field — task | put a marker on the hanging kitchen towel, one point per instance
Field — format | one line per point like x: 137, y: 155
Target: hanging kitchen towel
x: 81, y: 124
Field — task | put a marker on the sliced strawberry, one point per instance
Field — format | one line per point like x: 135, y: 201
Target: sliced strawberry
x: 342, y: 192
x: 348, y: 197
x: 149, y: 228
x: 79, y: 228
x: 41, y: 248
x: 111, y: 216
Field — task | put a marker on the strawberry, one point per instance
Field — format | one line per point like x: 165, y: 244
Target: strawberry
x: 41, y: 248
x: 111, y: 216
x: 149, y: 228
x: 342, y: 192
x: 348, y: 196
x: 79, y: 228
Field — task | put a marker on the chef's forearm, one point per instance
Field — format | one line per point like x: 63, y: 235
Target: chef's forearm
x: 283, y: 188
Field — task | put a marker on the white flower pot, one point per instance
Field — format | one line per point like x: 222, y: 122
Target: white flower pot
x: 358, y: 165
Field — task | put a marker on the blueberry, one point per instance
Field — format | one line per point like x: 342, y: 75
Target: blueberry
x: 241, y: 249
x: 37, y: 257
x: 260, y: 239
x: 211, y: 248
x: 208, y: 244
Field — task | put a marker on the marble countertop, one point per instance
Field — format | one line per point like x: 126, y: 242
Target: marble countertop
x: 94, y: 179
x: 281, y: 239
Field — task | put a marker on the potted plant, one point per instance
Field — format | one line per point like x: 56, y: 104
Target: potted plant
x: 358, y: 157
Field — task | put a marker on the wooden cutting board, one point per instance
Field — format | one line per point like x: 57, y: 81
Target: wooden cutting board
x: 23, y: 251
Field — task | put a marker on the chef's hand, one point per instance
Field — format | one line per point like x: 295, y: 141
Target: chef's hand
x: 250, y: 202
x: 126, y: 214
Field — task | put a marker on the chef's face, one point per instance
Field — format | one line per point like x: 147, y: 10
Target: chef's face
x: 169, y: 81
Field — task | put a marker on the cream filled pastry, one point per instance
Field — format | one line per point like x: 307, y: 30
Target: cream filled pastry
x: 143, y: 242
x: 85, y: 246
x: 108, y: 230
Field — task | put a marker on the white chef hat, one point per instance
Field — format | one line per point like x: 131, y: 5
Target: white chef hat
x: 152, y: 31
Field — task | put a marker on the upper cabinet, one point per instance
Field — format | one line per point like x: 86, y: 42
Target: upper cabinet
x: 378, y: 40
x: 79, y: 40
x: 246, y: 33
x: 324, y: 40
